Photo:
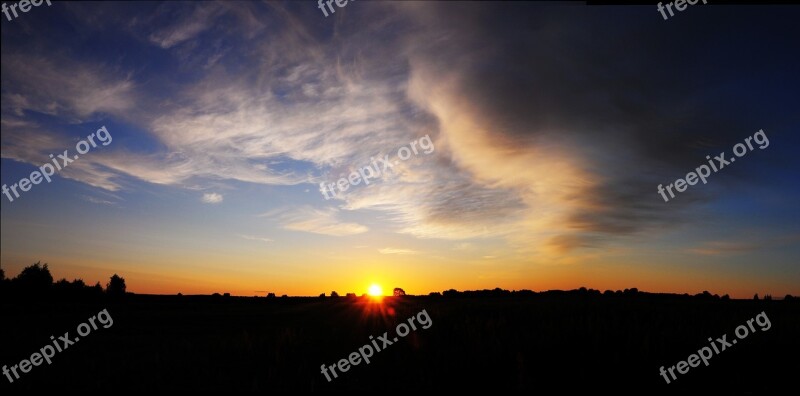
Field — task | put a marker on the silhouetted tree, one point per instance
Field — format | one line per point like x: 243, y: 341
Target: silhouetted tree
x: 726, y: 297
x: 116, y: 286
x: 450, y: 293
x: 270, y: 295
x: 398, y: 292
x: 788, y: 297
x: 35, y: 279
x: 755, y: 297
x: 334, y: 294
x: 76, y: 289
x: 322, y: 295
x: 435, y: 294
x: 768, y: 297
x: 2, y: 275
x: 704, y: 296
x: 62, y: 286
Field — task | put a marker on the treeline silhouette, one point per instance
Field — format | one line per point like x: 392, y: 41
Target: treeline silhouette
x: 35, y: 282
x: 584, y: 292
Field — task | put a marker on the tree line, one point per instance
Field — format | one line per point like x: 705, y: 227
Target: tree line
x: 36, y: 282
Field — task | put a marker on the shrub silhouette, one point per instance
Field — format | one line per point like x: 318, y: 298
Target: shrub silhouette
x: 116, y: 286
x: 399, y: 292
x: 450, y: 293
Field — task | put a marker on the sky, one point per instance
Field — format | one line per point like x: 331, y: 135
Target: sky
x: 550, y: 127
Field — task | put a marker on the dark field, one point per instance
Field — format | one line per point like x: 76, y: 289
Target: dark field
x: 550, y: 341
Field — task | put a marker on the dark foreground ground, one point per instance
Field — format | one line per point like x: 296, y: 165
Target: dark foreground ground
x: 556, y: 341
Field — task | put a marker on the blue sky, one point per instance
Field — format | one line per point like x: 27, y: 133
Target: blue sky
x: 552, y: 125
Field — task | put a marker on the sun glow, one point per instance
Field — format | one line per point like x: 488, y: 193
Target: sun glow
x: 375, y: 290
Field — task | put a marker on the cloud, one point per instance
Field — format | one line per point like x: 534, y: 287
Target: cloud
x: 397, y: 251
x: 317, y: 221
x: 188, y: 26
x: 717, y: 248
x: 98, y: 200
x: 61, y: 86
x: 212, y: 198
x: 256, y: 238
x: 542, y: 136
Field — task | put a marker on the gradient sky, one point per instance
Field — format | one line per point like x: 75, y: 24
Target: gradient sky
x: 552, y: 125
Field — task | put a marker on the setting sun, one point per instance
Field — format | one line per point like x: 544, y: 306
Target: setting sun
x: 375, y: 290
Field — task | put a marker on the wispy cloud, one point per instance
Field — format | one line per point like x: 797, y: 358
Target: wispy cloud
x: 187, y: 26
x: 397, y: 251
x: 317, y: 221
x: 98, y: 200
x: 212, y: 198
x: 257, y: 238
x: 62, y: 86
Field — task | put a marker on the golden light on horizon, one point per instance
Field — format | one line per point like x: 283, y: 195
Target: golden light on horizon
x: 375, y: 290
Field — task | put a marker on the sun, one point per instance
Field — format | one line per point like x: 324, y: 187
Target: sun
x: 375, y: 290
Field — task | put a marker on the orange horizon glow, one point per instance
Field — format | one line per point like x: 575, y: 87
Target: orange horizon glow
x: 414, y: 276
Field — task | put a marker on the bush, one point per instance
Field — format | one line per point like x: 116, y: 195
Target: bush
x: 116, y: 286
